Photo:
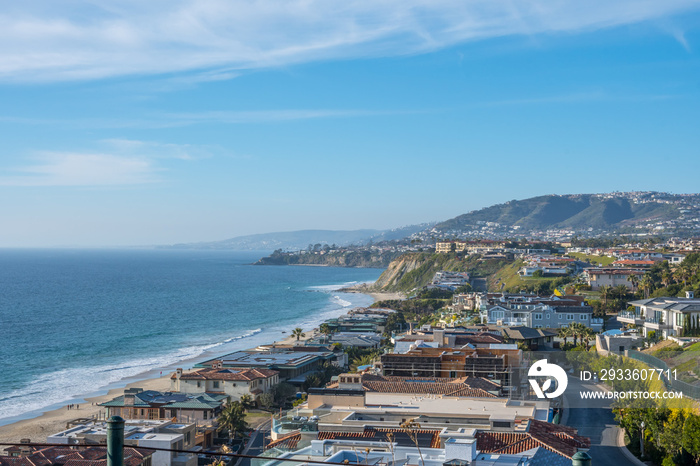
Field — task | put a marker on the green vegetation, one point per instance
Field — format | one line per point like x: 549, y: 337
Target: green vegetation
x: 415, y: 270
x: 507, y: 279
x: 232, y: 419
x: 342, y: 258
x: 573, y: 211
x: 602, y: 261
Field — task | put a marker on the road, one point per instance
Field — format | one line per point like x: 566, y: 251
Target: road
x: 596, y: 421
x: 255, y: 445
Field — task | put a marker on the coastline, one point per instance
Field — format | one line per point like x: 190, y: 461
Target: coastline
x: 365, y: 288
x: 52, y: 421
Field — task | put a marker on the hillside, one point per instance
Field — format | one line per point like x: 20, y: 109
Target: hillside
x: 574, y: 211
x: 296, y: 240
x: 356, y: 258
x: 414, y: 270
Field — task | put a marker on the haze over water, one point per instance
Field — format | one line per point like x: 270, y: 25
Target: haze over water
x: 79, y: 321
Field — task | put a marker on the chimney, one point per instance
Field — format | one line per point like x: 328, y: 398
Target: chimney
x: 690, y: 294
x: 218, y: 364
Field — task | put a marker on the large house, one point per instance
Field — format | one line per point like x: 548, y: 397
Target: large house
x: 666, y: 316
x: 542, y: 315
x: 597, y: 277
x: 233, y: 382
x: 136, y: 403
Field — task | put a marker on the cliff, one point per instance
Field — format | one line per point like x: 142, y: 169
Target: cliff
x: 414, y: 270
x: 357, y: 258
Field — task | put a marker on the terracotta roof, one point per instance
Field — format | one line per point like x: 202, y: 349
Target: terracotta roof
x: 60, y: 455
x: 475, y: 387
x: 232, y: 374
x: 556, y: 438
x: 287, y: 442
x: 427, y: 438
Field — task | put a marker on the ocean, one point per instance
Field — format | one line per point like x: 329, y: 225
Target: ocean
x: 76, y: 323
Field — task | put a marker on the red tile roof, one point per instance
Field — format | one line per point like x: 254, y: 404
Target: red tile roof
x: 232, y: 374
x: 559, y: 439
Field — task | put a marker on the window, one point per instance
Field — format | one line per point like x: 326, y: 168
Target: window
x: 204, y: 414
x: 548, y: 316
x: 584, y: 316
x: 538, y: 316
x: 561, y: 316
x: 216, y: 384
x: 199, y: 384
x: 569, y: 317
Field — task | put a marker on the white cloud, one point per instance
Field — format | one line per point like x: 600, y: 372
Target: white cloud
x: 76, y: 169
x: 85, y: 40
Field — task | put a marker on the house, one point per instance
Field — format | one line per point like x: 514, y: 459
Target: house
x: 535, y: 339
x: 666, y: 316
x: 617, y: 342
x: 596, y: 277
x: 474, y: 387
x: 294, y: 363
x: 233, y: 382
x: 136, y: 403
x: 547, y: 314
x: 139, y: 434
x: 65, y: 455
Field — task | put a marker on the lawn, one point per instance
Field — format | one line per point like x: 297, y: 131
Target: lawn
x: 600, y: 260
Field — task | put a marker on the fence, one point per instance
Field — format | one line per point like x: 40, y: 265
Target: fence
x: 687, y: 389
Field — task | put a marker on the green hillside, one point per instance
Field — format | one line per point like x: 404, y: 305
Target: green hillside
x: 578, y: 211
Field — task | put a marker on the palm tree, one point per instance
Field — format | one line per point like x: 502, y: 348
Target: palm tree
x: 587, y: 335
x: 325, y: 329
x: 604, y: 293
x: 412, y: 428
x: 564, y: 332
x: 232, y: 418
x: 246, y: 401
x: 577, y: 330
x: 298, y: 332
x: 634, y: 279
x: 621, y: 291
x: 646, y: 283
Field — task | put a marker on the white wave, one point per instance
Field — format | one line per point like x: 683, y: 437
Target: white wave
x: 331, y: 288
x: 61, y: 386
x: 342, y: 302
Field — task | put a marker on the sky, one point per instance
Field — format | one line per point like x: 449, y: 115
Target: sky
x: 128, y: 123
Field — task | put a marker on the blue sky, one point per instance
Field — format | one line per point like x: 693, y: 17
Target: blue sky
x: 176, y: 121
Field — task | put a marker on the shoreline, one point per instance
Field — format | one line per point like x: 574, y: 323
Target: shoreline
x: 51, y: 421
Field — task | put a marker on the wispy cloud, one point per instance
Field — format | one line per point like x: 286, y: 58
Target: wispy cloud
x: 169, y: 120
x: 215, y: 39
x: 76, y: 169
x: 119, y: 162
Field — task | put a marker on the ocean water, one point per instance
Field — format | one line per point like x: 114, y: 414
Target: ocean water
x: 75, y: 323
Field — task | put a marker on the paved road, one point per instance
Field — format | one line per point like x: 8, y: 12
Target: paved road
x: 596, y: 421
x: 255, y: 445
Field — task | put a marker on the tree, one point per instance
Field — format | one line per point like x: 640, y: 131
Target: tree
x: 282, y: 392
x: 266, y: 400
x: 232, y: 418
x: 325, y: 329
x: 246, y: 401
x: 564, y: 332
x: 411, y: 427
x: 691, y: 436
x: 605, y: 293
x: 298, y: 332
x: 621, y: 291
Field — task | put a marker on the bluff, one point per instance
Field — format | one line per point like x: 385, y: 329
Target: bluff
x: 415, y: 270
x: 356, y: 258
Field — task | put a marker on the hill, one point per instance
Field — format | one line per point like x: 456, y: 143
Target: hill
x: 297, y: 240
x: 609, y: 212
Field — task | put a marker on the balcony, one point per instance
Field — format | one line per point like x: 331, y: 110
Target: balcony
x: 627, y: 317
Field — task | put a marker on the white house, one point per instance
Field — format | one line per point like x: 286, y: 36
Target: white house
x: 229, y: 381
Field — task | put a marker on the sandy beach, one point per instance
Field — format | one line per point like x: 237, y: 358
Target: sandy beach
x: 51, y: 422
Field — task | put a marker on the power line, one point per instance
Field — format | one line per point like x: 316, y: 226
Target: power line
x: 229, y: 455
